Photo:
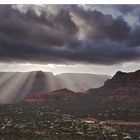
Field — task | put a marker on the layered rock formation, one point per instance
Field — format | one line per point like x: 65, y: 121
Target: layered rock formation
x: 62, y: 94
x: 122, y: 87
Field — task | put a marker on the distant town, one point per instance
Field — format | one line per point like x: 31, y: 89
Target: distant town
x: 40, y: 121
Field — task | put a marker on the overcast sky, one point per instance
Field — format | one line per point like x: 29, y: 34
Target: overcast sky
x: 70, y: 38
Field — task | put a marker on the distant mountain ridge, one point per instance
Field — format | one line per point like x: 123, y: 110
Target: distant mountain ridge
x: 14, y: 86
x: 38, y: 85
x: 80, y: 82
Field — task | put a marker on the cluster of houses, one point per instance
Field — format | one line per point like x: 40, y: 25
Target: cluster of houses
x: 50, y: 121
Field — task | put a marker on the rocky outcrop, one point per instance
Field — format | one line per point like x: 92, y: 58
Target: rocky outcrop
x: 122, y: 87
x: 62, y: 94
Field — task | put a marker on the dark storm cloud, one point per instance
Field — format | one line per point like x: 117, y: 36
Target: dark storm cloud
x: 103, y: 26
x: 43, y: 29
x: 99, y: 53
x: 56, y: 38
x: 134, y: 39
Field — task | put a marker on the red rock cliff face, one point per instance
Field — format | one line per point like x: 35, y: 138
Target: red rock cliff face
x: 122, y: 87
x: 63, y: 94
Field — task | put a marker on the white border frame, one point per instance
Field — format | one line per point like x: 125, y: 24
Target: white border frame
x: 69, y: 2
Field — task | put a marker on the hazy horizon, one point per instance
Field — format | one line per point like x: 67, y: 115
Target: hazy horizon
x: 59, y: 69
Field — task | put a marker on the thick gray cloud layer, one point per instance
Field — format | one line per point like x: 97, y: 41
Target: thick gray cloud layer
x: 67, y: 34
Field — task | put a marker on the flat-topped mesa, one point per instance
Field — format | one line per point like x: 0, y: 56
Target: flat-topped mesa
x: 39, y: 83
x: 43, y: 82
